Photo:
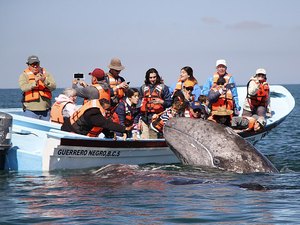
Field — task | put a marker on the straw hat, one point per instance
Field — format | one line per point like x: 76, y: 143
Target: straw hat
x: 116, y: 64
x: 222, y: 112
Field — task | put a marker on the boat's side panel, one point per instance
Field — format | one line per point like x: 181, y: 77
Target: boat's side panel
x: 72, y: 153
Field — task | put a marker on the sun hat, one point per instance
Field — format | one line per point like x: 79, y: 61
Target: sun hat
x: 222, y: 112
x: 32, y: 59
x: 98, y: 73
x: 261, y: 71
x: 116, y: 64
x: 221, y: 62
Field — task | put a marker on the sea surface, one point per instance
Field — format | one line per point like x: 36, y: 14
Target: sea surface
x: 160, y: 194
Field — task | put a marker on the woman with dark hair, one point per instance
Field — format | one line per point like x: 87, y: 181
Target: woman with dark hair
x: 187, y: 83
x: 129, y: 113
x: 155, y: 98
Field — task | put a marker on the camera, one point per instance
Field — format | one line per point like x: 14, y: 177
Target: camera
x: 78, y: 76
x: 230, y: 86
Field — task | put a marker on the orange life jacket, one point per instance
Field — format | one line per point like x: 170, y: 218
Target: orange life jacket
x: 40, y: 90
x: 261, y: 97
x: 251, y: 122
x: 216, y: 76
x: 148, y: 97
x: 78, y: 122
x: 158, y: 123
x: 113, y: 82
x: 56, y: 114
x: 224, y: 100
x: 178, y: 85
x: 102, y: 93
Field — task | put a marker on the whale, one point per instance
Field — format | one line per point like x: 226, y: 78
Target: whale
x: 204, y: 143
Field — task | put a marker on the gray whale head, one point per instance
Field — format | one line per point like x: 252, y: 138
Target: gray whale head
x: 204, y: 143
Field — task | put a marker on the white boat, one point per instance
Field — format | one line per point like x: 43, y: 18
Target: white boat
x: 41, y: 146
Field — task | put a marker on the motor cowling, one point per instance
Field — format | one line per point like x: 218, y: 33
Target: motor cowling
x: 5, y: 136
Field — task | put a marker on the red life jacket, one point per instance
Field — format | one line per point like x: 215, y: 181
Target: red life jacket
x: 39, y: 91
x: 261, y: 97
x: 148, y: 97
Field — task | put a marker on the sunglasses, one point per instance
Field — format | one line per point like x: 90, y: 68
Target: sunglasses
x: 189, y: 88
x: 196, y: 110
x: 34, y: 64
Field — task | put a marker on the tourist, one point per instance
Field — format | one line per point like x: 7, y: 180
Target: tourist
x: 91, y: 120
x: 186, y: 78
x: 179, y: 104
x: 64, y: 106
x: 221, y: 67
x: 197, y: 111
x: 155, y: 97
x: 220, y: 96
x: 37, y: 85
x: 117, y: 83
x: 248, y: 123
x: 129, y: 114
x: 98, y: 89
x: 258, y: 95
x: 221, y: 116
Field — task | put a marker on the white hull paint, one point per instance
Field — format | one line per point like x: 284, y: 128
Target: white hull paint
x: 41, y: 146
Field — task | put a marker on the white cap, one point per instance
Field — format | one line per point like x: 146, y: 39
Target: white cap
x: 221, y: 62
x: 261, y: 70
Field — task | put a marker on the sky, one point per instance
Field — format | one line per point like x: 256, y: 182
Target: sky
x: 72, y: 36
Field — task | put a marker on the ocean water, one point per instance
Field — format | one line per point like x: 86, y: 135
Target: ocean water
x: 160, y: 194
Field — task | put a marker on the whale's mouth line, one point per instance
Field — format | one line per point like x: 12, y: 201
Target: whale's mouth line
x: 199, y: 143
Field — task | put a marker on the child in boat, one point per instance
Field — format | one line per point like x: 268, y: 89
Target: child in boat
x: 197, y: 111
x: 179, y: 104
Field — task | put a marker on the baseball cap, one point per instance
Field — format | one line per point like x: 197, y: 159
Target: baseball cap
x: 98, y: 73
x: 221, y: 62
x: 32, y: 59
x: 261, y: 71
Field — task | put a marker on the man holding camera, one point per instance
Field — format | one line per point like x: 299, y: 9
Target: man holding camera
x: 37, y: 85
x: 221, y: 67
x: 97, y: 90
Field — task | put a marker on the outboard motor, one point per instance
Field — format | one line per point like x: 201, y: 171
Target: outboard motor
x: 5, y: 136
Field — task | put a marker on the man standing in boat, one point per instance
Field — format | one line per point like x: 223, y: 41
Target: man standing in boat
x: 221, y: 67
x: 117, y: 84
x: 97, y: 90
x: 37, y: 85
x: 258, y: 95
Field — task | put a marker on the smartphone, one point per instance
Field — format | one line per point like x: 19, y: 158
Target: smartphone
x: 79, y: 76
